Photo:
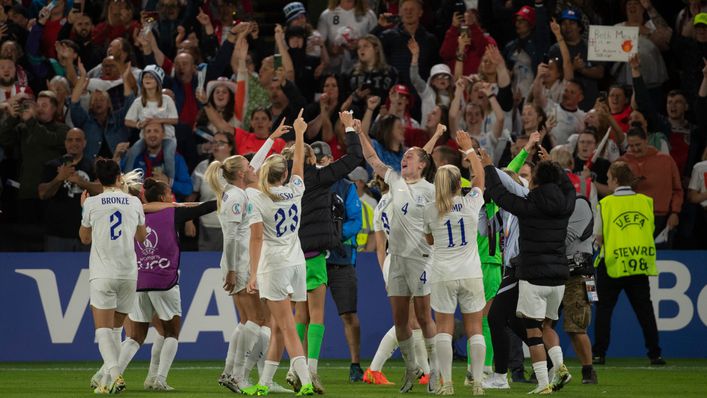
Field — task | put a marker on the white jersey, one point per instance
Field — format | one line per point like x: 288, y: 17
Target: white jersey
x: 333, y: 22
x: 407, y: 207
x: 456, y: 253
x: 236, y: 231
x: 281, y: 221
x: 113, y: 217
x: 381, y: 215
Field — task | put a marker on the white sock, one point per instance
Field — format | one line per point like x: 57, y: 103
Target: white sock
x: 265, y: 333
x: 407, y: 350
x: 127, y: 351
x: 477, y: 347
x: 540, y: 369
x: 431, y: 349
x: 420, y: 350
x: 269, y: 369
x: 252, y: 358
x: 388, y: 345
x: 299, y: 364
x: 155, y: 356
x: 169, y: 351
x: 109, y: 353
x: 231, y: 353
x: 555, y: 354
x: 249, y: 335
x: 444, y: 355
x: 117, y: 336
x: 312, y: 364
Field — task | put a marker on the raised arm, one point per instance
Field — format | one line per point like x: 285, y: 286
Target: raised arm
x: 417, y: 82
x: 464, y: 142
x: 455, y: 106
x: 262, y: 153
x: 371, y: 104
x: 300, y: 127
x: 663, y: 32
x: 282, y: 49
x: 370, y: 154
x: 487, y: 90
x: 567, y: 69
x: 430, y: 144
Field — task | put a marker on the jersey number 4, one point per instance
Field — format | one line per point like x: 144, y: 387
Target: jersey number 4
x: 451, y: 236
x: 116, y: 220
x: 281, y: 217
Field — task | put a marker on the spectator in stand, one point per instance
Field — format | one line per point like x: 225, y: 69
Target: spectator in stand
x: 390, y: 145
x: 247, y: 142
x: 599, y: 118
x: 340, y: 25
x: 17, y: 23
x: 658, y: 178
x: 525, y: 53
x: 395, y: 41
x: 9, y: 85
x: 619, y: 101
x: 371, y: 76
x: 151, y: 162
x: 685, y: 139
x: 104, y: 126
x: 587, y: 13
x: 78, y: 28
x: 568, y: 115
x: 654, y: 38
x: 400, y: 103
x: 419, y: 137
x: 585, y: 71
x: 697, y: 194
x: 437, y: 91
x: 684, y: 21
x: 307, y: 69
x: 220, y: 94
x: 32, y: 130
x: 166, y: 25
x: 117, y: 22
x: 63, y: 181
x: 210, y: 235
x: 689, y: 53
x: 465, y: 42
x: 584, y: 150
x: 324, y: 115
x: 251, y: 87
x: 12, y: 50
x: 534, y: 119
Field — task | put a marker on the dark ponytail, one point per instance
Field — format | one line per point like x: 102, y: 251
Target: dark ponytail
x: 154, y: 190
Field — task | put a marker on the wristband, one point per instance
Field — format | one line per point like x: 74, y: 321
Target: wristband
x: 350, y: 130
x: 469, y: 151
x: 491, y: 95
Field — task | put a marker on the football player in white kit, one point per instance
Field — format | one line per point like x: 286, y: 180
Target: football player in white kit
x: 409, y: 254
x: 232, y: 201
x: 277, y: 264
x: 450, y: 225
x: 111, y: 222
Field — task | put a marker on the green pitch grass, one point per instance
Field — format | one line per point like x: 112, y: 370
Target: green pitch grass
x: 623, y: 378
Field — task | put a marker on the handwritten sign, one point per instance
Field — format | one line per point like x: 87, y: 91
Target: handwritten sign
x: 612, y: 43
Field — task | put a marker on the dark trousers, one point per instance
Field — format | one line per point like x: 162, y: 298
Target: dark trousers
x: 639, y: 295
x: 502, y: 314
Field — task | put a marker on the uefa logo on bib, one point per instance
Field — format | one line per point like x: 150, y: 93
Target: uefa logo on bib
x: 149, y: 246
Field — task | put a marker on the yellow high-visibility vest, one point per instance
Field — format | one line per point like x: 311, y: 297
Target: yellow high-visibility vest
x: 627, y: 229
x: 366, y: 225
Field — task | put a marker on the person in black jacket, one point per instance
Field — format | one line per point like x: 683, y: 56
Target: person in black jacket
x: 318, y: 234
x: 542, y: 269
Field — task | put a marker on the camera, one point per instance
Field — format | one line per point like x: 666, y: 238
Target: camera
x: 459, y: 7
x: 392, y: 19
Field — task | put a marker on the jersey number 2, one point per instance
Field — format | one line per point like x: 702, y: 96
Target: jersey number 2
x: 116, y: 219
x: 280, y: 218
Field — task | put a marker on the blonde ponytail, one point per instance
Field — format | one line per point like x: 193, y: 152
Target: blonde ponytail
x: 271, y: 172
x: 132, y: 182
x: 228, y: 170
x: 447, y: 186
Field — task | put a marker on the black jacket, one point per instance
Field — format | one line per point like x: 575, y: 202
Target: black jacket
x: 317, y: 231
x: 542, y: 219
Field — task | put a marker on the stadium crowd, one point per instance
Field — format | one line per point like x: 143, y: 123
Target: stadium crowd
x: 172, y: 87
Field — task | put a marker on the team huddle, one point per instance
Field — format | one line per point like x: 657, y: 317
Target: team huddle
x: 432, y: 222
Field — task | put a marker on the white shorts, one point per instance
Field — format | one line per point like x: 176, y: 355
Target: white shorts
x: 469, y: 293
x: 113, y: 294
x: 280, y: 284
x: 165, y: 303
x: 407, y: 277
x: 386, y: 269
x: 539, y: 302
x: 241, y: 280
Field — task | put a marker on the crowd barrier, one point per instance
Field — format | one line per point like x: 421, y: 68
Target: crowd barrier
x: 47, y: 315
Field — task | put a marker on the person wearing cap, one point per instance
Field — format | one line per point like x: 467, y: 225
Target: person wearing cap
x: 438, y: 90
x: 689, y: 53
x: 153, y: 107
x: 524, y: 54
x: 221, y: 96
x: 400, y: 104
x: 588, y: 73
